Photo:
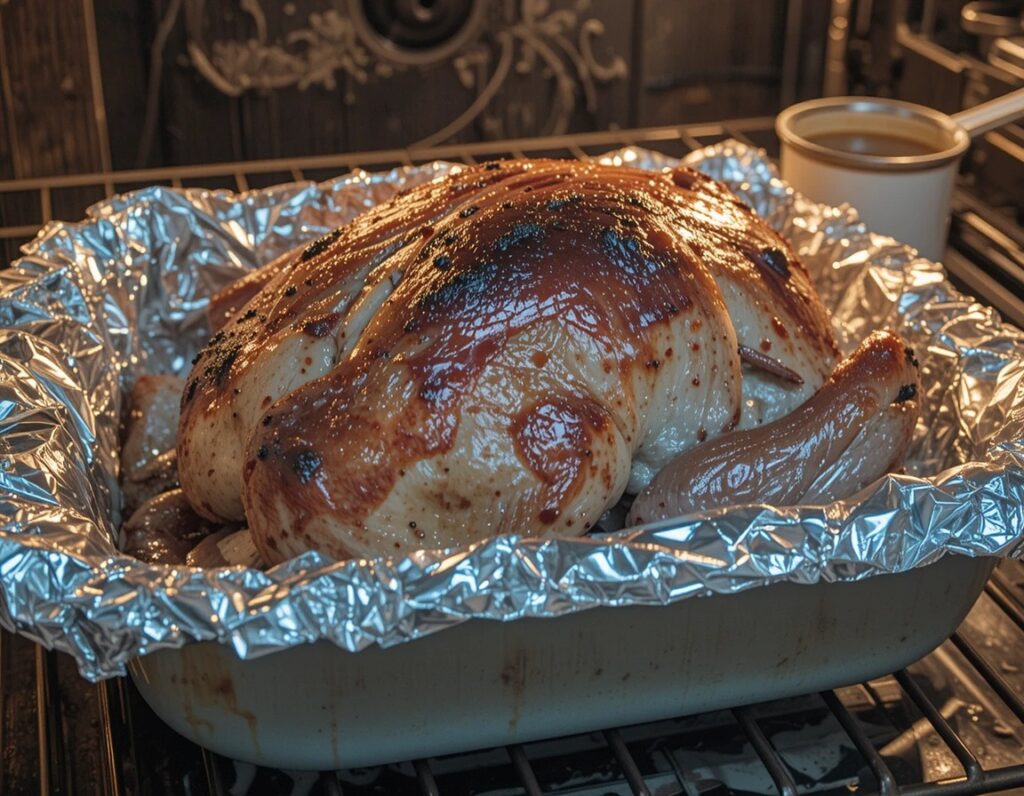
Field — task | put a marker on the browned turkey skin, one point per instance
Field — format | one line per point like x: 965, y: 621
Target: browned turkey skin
x: 502, y: 350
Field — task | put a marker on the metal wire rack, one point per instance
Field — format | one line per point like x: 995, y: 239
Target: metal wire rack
x: 952, y: 723
x: 28, y: 204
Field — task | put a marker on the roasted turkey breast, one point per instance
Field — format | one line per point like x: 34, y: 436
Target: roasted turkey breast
x: 505, y: 349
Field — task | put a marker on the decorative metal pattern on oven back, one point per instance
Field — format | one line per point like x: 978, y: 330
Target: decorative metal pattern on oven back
x: 486, y: 43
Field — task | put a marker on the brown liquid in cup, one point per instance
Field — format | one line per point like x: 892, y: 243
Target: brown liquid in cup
x: 878, y: 144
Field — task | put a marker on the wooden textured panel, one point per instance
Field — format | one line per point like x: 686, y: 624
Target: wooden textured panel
x: 292, y: 121
x: 710, y: 59
x: 124, y: 29
x: 45, y: 58
x: 198, y: 124
x: 524, y: 106
x: 19, y: 769
x: 201, y: 124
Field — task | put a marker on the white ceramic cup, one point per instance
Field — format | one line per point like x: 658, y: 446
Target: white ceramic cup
x: 905, y: 196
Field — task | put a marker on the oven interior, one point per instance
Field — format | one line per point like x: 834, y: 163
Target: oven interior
x: 951, y: 723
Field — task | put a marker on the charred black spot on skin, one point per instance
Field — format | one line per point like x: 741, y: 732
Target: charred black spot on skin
x: 320, y: 245
x: 291, y: 290
x: 469, y: 284
x: 559, y: 203
x: 247, y: 316
x: 520, y: 234
x: 619, y: 246
x: 492, y: 165
x: 773, y: 259
x: 262, y: 452
x: 908, y: 352
x: 322, y: 327
x: 908, y: 392
x: 266, y: 420
x: 442, y: 262
x: 190, y: 392
x: 468, y: 211
x: 219, y: 369
x: 306, y: 466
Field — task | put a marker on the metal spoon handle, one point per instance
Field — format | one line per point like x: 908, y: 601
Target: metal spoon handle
x: 992, y: 114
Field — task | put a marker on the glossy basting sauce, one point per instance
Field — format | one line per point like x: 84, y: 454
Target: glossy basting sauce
x: 628, y: 265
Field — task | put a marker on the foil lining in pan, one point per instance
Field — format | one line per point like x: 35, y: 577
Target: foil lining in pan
x: 93, y: 305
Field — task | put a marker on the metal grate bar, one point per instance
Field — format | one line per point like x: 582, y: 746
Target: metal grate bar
x: 577, y: 153
x: 240, y: 172
x: 526, y: 145
x: 886, y: 781
x: 213, y: 775
x: 992, y: 677
x: 633, y: 776
x: 772, y: 761
x: 22, y: 231
x: 46, y: 204
x: 989, y: 782
x: 972, y: 768
x: 329, y: 784
x: 425, y: 777
x: 43, y: 741
x: 999, y: 589
x: 739, y: 135
x: 691, y: 142
x: 110, y: 769
x: 524, y: 770
x: 53, y: 761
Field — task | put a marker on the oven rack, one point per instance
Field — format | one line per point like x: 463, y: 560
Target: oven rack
x: 28, y: 204
x: 63, y: 735
x: 60, y: 734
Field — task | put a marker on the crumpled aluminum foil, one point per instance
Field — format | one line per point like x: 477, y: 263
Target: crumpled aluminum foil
x: 93, y: 305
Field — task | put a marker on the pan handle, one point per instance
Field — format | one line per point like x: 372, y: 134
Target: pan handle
x: 992, y: 114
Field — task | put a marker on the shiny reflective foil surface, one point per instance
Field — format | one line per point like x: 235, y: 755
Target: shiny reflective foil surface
x: 95, y: 304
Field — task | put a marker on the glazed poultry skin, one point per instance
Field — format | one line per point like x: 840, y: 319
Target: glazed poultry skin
x: 505, y: 349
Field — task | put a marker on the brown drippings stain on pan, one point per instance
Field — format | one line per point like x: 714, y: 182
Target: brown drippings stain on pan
x: 199, y: 726
x: 513, y: 679
x: 332, y: 687
x: 211, y: 684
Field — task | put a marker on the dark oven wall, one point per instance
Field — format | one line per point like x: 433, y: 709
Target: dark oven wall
x: 126, y: 83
